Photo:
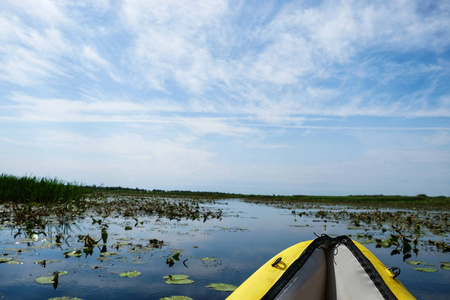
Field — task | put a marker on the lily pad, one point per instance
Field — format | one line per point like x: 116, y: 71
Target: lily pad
x: 209, y: 259
x: 48, y: 279
x: 4, y: 259
x: 224, y: 287
x: 416, y: 262
x: 427, y: 270
x: 130, y: 274
x: 445, y: 265
x: 108, y: 253
x: 76, y: 253
x: 176, y: 298
x: 48, y: 261
x: 178, y: 279
x: 119, y: 244
x: 14, y: 262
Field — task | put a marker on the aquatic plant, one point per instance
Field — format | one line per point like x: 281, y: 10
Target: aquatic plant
x: 28, y: 189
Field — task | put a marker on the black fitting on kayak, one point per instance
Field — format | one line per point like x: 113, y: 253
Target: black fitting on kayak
x: 276, y: 262
x: 395, y: 271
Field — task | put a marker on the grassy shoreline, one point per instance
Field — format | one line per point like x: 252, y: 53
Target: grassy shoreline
x: 30, y: 190
x: 35, y: 190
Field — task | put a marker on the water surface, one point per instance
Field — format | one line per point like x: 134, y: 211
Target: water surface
x: 244, y: 238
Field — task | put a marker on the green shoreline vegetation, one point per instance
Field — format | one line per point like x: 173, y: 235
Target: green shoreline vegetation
x: 34, y: 190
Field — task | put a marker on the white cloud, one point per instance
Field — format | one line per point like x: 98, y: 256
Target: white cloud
x: 165, y: 85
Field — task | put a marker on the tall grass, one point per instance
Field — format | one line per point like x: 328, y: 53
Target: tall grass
x: 28, y: 189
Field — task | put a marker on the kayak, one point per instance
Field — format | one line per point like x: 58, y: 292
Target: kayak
x: 324, y: 268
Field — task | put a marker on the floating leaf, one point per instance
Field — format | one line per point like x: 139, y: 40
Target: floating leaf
x: 4, y: 259
x: 178, y: 279
x: 209, y: 259
x: 427, y: 270
x: 118, y: 244
x: 45, y: 279
x: 108, y: 253
x: 76, y: 253
x: 224, y: 287
x: 48, y: 279
x: 176, y: 298
x: 445, y: 265
x: 130, y: 274
x: 416, y: 262
x: 14, y: 262
x: 47, y: 261
x: 176, y: 256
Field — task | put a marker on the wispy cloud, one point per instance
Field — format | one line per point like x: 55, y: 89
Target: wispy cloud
x: 183, y: 85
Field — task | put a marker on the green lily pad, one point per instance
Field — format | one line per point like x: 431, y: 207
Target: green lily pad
x: 416, y: 262
x: 48, y: 261
x: 74, y: 253
x: 14, y: 262
x: 176, y: 298
x: 130, y: 274
x: 4, y: 259
x: 427, y: 270
x: 48, y: 279
x: 209, y: 259
x: 445, y: 265
x: 178, y: 279
x: 176, y: 256
x: 224, y: 287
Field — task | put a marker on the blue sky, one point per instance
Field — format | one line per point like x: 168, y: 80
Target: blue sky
x: 256, y: 97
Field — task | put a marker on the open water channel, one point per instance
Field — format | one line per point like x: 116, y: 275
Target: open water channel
x: 219, y: 250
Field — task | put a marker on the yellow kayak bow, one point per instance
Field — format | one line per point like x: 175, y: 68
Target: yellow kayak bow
x: 324, y: 268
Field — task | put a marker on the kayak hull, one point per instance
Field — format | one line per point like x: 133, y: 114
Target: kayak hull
x: 324, y: 268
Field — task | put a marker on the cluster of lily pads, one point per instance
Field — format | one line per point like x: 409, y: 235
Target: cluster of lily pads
x: 403, y: 229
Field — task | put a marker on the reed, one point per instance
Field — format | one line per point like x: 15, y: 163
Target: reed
x: 32, y: 189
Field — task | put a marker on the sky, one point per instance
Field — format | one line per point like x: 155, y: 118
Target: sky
x: 256, y: 97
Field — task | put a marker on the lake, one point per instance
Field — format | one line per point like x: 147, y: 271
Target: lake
x: 226, y: 247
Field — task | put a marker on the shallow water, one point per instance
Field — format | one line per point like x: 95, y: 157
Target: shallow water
x: 241, y: 241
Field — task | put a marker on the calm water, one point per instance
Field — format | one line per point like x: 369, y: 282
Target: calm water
x: 245, y: 238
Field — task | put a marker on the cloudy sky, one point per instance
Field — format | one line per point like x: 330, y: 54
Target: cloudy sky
x: 257, y: 97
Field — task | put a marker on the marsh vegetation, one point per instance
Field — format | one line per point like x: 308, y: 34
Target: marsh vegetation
x: 60, y: 239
